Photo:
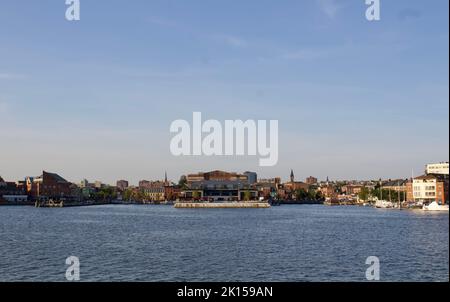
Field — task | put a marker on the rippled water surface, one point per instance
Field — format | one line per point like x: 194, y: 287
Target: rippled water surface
x: 160, y: 243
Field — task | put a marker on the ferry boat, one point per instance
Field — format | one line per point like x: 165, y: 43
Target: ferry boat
x: 434, y: 206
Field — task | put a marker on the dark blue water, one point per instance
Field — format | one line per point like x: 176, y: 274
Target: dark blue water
x: 160, y: 243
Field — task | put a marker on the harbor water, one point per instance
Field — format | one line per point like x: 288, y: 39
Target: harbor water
x: 161, y: 243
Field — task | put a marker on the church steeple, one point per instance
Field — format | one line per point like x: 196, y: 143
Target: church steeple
x: 165, y: 177
x: 292, y: 175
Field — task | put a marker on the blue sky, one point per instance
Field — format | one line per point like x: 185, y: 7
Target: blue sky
x: 95, y: 98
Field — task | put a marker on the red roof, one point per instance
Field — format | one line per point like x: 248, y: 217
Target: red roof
x: 426, y: 177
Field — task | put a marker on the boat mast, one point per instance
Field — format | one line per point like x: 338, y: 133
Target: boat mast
x: 381, y: 189
x: 412, y: 184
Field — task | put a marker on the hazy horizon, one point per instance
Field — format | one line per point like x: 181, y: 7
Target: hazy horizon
x: 95, y: 99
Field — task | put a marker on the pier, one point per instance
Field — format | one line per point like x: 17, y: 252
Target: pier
x: 221, y: 205
x: 66, y: 204
x: 49, y: 204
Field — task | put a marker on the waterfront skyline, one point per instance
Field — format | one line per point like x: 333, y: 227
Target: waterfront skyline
x: 95, y: 99
x: 174, y: 179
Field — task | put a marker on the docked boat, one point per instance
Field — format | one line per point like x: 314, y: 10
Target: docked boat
x: 274, y: 202
x: 380, y: 203
x: 434, y: 206
x: 383, y: 204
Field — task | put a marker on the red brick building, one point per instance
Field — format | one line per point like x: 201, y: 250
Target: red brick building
x: 122, y: 185
x: 172, y: 193
x: 328, y: 191
x: 428, y: 188
x: 311, y: 180
x: 293, y: 185
x: 216, y: 176
x: 352, y: 189
x: 11, y: 190
x: 48, y: 185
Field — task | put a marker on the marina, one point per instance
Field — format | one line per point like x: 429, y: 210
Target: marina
x: 379, y: 204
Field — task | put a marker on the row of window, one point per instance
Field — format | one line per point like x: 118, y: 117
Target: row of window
x: 427, y: 188
x: 428, y: 194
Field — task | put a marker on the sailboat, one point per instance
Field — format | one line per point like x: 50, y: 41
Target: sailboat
x: 383, y: 204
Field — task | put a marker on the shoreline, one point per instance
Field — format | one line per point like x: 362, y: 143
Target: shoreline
x: 198, y: 205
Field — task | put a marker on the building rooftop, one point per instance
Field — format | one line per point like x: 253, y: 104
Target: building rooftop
x: 55, y: 176
x: 219, y: 184
x: 395, y: 182
x: 429, y: 177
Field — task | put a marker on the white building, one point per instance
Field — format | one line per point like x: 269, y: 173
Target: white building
x: 439, y: 168
x: 428, y: 188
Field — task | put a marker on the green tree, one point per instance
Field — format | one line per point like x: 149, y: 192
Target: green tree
x: 182, y: 183
x: 105, y: 194
x: 127, y: 194
x: 196, y: 195
x: 386, y: 194
x: 301, y: 194
x: 319, y: 195
x: 311, y: 194
x: 247, y: 195
x: 364, y: 194
x: 141, y: 195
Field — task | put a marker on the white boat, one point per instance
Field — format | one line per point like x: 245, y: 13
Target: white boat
x: 383, y: 204
x: 434, y: 206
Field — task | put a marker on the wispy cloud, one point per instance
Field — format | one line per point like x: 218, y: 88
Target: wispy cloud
x: 11, y: 76
x: 305, y: 54
x: 163, y: 22
x: 409, y: 13
x: 172, y: 75
x: 230, y: 40
x: 219, y: 38
x: 329, y: 7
